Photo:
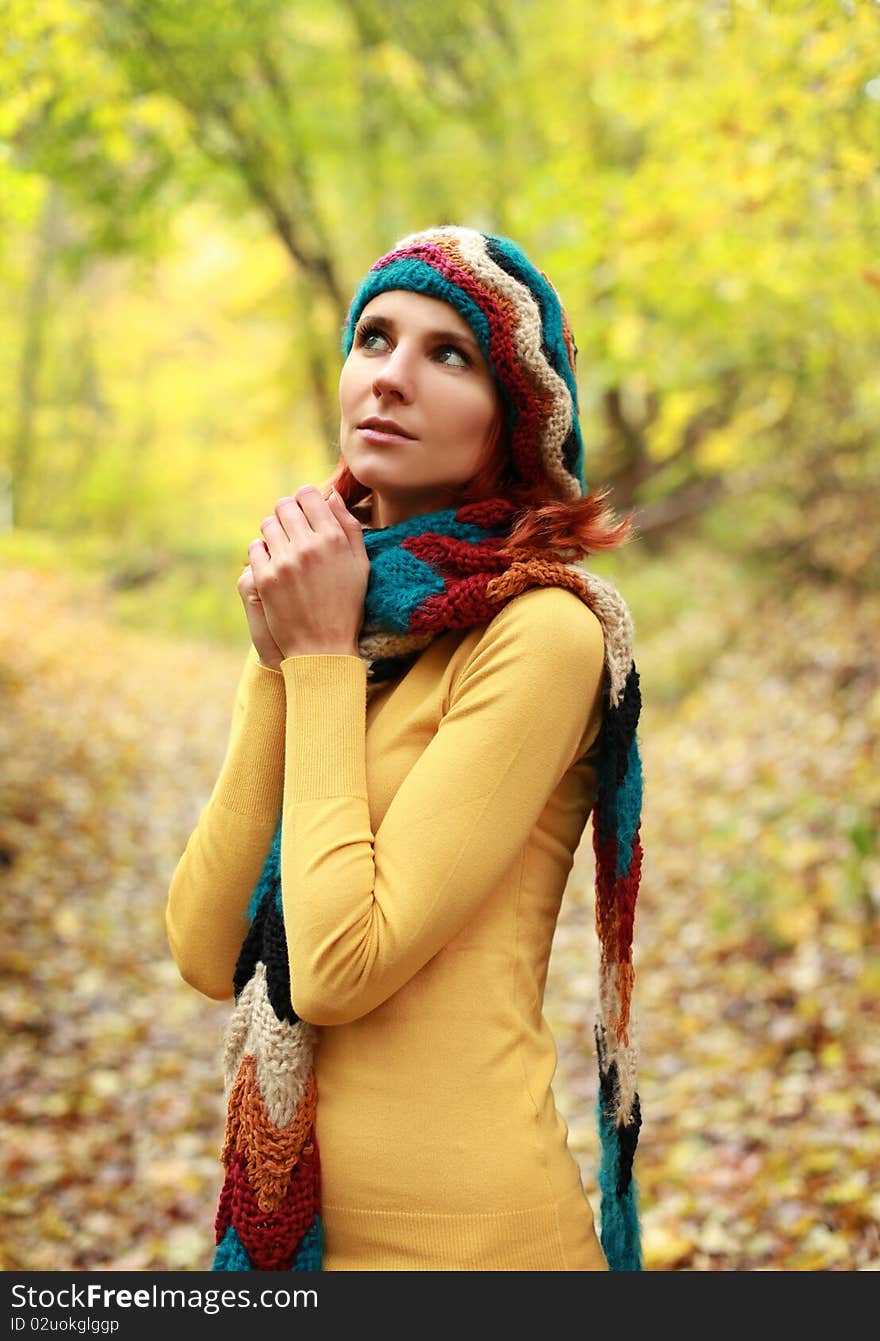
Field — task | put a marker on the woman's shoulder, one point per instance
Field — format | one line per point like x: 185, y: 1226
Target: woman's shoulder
x: 550, y: 627
x: 550, y: 613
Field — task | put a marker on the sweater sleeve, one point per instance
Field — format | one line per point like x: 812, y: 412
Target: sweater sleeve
x: 205, y: 914
x: 363, y: 912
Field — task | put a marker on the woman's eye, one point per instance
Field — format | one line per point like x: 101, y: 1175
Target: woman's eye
x: 459, y: 360
x: 367, y: 335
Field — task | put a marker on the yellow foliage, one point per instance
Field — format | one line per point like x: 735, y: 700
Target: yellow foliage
x: 869, y: 978
x: 625, y: 336
x: 665, y: 1245
x: 724, y: 447
x: 836, y: 1103
x: 846, y: 940
x: 831, y: 1055
x: 852, y: 1189
x: 719, y: 449
x: 801, y: 851
x: 21, y: 103
x: 819, y: 1161
x: 398, y: 66
x: 794, y: 924
x: 857, y: 163
x: 677, y: 410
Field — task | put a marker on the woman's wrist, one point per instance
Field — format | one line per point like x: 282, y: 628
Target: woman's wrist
x: 322, y: 650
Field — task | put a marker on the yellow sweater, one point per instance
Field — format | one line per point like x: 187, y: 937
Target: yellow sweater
x: 427, y: 840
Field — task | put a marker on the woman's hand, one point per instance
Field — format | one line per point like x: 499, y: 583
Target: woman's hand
x: 305, y: 585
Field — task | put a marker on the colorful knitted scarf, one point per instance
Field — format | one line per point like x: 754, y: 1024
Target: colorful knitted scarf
x: 436, y: 572
x: 433, y: 573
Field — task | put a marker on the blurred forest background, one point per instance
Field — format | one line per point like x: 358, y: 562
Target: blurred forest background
x: 188, y: 194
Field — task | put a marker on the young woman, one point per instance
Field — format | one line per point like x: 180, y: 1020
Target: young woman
x: 436, y: 698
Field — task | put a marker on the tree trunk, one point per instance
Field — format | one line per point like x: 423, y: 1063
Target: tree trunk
x: 36, y: 318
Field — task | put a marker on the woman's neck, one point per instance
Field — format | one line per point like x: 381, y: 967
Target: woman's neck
x: 384, y: 512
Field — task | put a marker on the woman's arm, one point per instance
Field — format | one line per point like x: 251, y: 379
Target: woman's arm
x: 205, y: 915
x: 363, y: 913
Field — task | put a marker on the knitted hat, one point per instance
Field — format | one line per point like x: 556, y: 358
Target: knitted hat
x: 521, y: 328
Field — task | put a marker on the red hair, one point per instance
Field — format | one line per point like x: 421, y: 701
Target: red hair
x: 567, y: 529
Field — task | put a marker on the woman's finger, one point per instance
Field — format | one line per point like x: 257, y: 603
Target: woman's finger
x: 293, y: 520
x: 314, y: 508
x: 274, y: 533
x: 258, y: 556
x: 350, y: 524
x: 247, y: 586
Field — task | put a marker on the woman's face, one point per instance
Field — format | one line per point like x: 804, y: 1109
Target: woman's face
x: 415, y: 365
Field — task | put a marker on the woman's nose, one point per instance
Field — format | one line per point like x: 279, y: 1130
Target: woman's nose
x: 395, y: 376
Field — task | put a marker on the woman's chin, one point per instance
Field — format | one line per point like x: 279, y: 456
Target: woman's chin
x: 377, y: 476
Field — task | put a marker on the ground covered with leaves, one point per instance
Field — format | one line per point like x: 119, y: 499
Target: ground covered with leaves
x: 756, y: 971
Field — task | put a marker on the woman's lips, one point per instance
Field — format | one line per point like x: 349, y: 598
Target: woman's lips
x: 383, y: 435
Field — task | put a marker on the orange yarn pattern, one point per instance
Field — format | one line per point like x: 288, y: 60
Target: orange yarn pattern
x: 525, y: 573
x: 270, y: 1155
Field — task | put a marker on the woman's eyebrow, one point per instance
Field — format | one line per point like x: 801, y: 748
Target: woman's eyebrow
x: 456, y: 337
x: 376, y: 320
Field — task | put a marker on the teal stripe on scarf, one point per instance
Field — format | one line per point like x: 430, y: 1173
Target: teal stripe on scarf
x: 620, y: 1234
x: 399, y: 582
x: 629, y: 808
x: 311, y: 1253
x: 619, y: 808
x: 230, y: 1254
x: 269, y: 879
x: 443, y: 523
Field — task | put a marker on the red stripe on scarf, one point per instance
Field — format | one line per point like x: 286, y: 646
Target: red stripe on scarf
x: 460, y: 606
x: 270, y: 1239
x: 450, y: 557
